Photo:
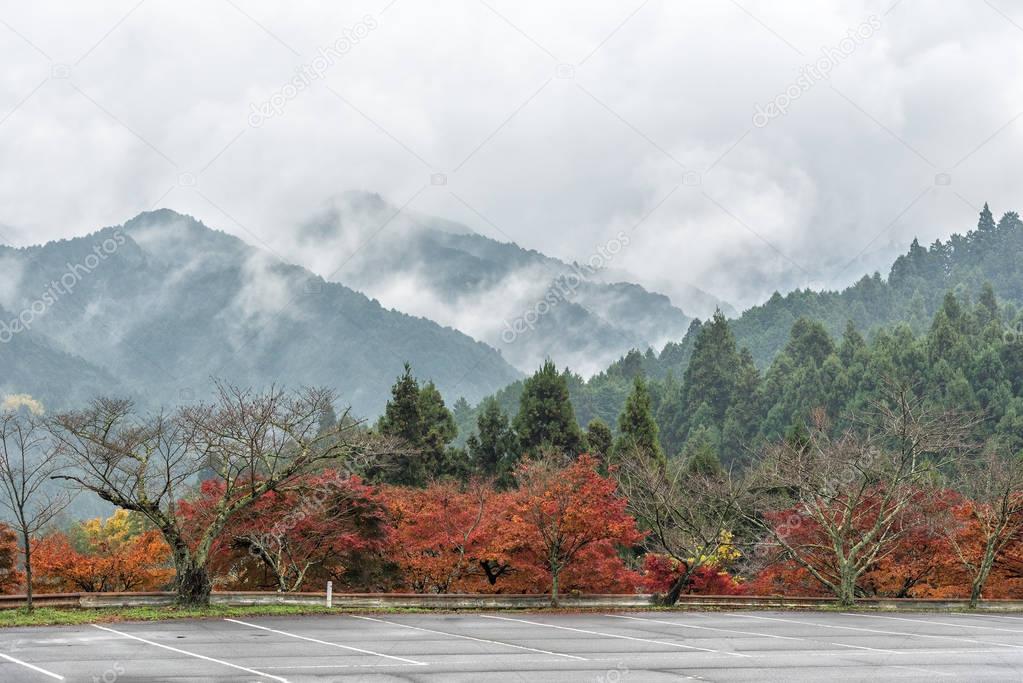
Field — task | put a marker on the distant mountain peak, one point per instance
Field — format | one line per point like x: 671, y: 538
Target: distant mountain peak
x: 173, y: 303
x: 447, y: 272
x: 370, y: 199
x: 158, y: 215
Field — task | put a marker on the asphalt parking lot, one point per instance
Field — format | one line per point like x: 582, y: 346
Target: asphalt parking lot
x: 516, y: 646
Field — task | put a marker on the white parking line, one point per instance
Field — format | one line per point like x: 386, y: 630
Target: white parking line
x: 32, y: 666
x: 987, y: 615
x: 615, y: 635
x: 872, y: 630
x: 326, y: 642
x: 754, y: 633
x: 191, y: 654
x: 479, y: 640
x: 871, y: 649
x: 926, y: 671
x: 928, y: 621
x: 704, y: 628
x: 331, y: 666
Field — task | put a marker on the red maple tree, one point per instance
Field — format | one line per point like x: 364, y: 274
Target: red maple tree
x: 442, y: 538
x: 293, y: 538
x: 563, y: 516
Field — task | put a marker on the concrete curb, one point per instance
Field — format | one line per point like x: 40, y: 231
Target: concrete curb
x: 342, y: 601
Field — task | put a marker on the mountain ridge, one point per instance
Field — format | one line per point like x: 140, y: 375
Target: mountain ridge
x: 162, y: 302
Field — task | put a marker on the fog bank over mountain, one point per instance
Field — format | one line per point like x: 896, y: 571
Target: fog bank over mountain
x: 528, y: 305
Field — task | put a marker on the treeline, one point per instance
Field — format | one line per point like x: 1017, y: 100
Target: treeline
x: 902, y: 502
x: 724, y: 409
x: 559, y: 529
x: 900, y: 495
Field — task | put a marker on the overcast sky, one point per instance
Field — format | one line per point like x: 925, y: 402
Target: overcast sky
x: 555, y: 125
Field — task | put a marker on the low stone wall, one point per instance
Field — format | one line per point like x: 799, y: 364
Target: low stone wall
x: 437, y: 601
x: 125, y: 599
x: 342, y: 601
x: 888, y: 604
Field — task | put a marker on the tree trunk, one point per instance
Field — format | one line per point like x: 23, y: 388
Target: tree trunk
x: 192, y: 584
x: 28, y: 572
x: 847, y: 587
x: 975, y: 589
x: 192, y: 581
x: 980, y: 578
x: 671, y: 597
x: 554, y: 588
x: 493, y: 572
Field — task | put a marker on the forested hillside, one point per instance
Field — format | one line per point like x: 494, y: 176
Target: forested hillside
x: 897, y: 314
x: 970, y: 358
x: 912, y: 292
x: 31, y: 363
x: 154, y: 308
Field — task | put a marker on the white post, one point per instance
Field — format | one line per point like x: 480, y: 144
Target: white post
x: 330, y: 594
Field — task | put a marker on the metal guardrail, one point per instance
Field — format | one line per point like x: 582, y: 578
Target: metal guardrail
x: 453, y: 601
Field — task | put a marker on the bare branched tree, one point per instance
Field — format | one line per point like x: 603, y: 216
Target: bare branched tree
x: 27, y: 462
x: 993, y: 485
x: 688, y: 513
x: 852, y: 497
x: 250, y: 442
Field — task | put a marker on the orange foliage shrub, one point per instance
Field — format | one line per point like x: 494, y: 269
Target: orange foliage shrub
x: 12, y: 579
x: 111, y: 555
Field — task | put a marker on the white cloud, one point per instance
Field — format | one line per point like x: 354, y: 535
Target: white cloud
x: 14, y: 402
x: 452, y: 87
x: 11, y: 270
